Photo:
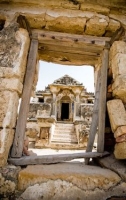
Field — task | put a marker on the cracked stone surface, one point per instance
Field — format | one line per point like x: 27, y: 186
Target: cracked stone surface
x: 67, y: 16
x: 68, y: 181
x: 117, y: 113
x: 8, y: 180
x: 6, y: 138
x: 118, y: 166
x: 13, y: 60
x: 120, y: 150
x: 63, y: 190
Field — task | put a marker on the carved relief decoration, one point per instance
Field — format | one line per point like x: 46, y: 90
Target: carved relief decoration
x: 65, y: 93
x: 67, y: 80
x: 86, y: 111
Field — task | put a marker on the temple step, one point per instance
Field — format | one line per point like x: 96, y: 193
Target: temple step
x: 64, y: 133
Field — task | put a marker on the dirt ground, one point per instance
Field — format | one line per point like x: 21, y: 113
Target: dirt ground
x: 56, y: 152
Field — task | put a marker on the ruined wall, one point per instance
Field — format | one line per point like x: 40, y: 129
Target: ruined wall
x: 73, y: 17
x: 68, y: 16
x: 63, y: 16
x: 117, y: 95
x: 115, y: 131
x: 13, y: 56
x: 43, y: 108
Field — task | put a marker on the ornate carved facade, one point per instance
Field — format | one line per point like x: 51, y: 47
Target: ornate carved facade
x: 65, y: 101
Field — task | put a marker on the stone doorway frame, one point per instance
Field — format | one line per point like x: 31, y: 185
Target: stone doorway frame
x: 71, y: 114
x: 32, y: 58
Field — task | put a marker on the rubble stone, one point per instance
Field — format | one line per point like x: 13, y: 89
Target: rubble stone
x: 6, y: 186
x: 8, y: 181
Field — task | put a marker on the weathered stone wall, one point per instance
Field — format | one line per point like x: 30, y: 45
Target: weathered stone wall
x: 71, y: 17
x: 69, y: 181
x: 44, y: 108
x: 63, y: 16
x: 116, y: 89
x: 117, y: 94
x: 117, y: 115
x: 13, y: 57
x: 118, y: 68
x: 68, y: 16
x: 32, y: 130
x: 8, y: 181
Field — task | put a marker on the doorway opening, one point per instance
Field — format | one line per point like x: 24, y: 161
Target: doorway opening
x: 64, y: 95
x: 65, y: 111
x: 51, y: 110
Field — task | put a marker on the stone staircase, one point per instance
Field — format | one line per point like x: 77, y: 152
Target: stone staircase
x: 64, y: 133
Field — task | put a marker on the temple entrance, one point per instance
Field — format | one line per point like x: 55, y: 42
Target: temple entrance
x: 65, y: 111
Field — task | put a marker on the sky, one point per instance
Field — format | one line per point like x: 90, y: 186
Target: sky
x: 48, y: 72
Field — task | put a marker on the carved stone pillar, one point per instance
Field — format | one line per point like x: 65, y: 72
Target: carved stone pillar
x: 55, y: 91
x: 70, y: 113
x: 56, y: 110
x: 74, y: 115
x: 77, y: 97
x: 54, y: 104
x: 77, y: 104
x: 77, y: 92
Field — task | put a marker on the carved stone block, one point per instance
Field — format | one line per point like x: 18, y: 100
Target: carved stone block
x: 9, y: 103
x: 119, y: 88
x: 97, y: 8
x: 120, y: 150
x: 117, y: 113
x: 117, y: 47
x: 112, y: 27
x: 66, y: 24
x: 11, y: 84
x: 36, y: 21
x: 13, y: 52
x: 96, y: 26
x: 6, y: 139
x: 118, y: 65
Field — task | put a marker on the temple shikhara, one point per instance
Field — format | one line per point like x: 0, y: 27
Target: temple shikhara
x: 77, y: 140
x: 60, y: 116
